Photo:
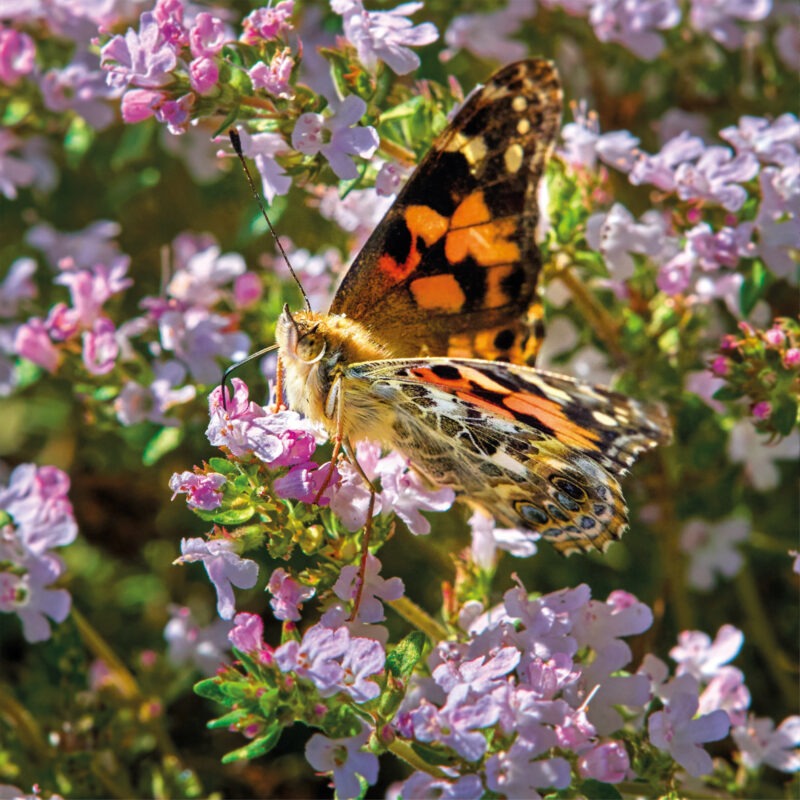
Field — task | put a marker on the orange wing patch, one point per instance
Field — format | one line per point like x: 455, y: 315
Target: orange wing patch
x: 438, y: 292
x: 551, y: 414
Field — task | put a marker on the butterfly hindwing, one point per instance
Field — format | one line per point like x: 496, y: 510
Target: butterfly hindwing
x: 536, y: 450
x: 452, y: 269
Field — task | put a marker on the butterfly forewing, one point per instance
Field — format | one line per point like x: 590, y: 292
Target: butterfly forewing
x: 452, y: 269
x: 536, y: 450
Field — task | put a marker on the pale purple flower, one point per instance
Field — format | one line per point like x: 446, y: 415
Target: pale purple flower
x: 17, y: 286
x: 778, y: 218
x: 618, y: 149
x: 203, y: 489
x: 24, y: 592
x: 263, y: 148
x: 358, y: 213
x: 136, y: 403
x: 15, y: 172
x: 345, y: 759
x: 32, y: 341
x: 405, y: 493
x: 717, y: 18
x: 190, y: 643
x: 390, y: 179
x: 287, y: 595
x: 274, y: 78
x: 308, y: 483
x: 705, y: 383
x: 169, y: 15
x: 364, y: 658
x: 487, y: 539
x: 659, y: 169
x: 676, y: 121
x: 698, y: 656
x: 712, y: 550
x: 726, y: 690
x: 722, y: 248
x: 518, y: 772
x: 606, y: 762
x: 203, y: 75
x: 100, y: 347
x: 316, y: 657
x: 206, y: 35
x: 350, y: 502
x: 145, y: 59
x: 423, y: 786
x: 489, y: 35
x: 36, y: 499
x: 760, y: 743
x: 17, y: 56
x: 90, y: 288
x: 385, y: 35
x: 198, y: 280
x: 224, y: 566
x: 81, y: 87
x: 748, y: 447
x: 247, y: 634
x: 772, y: 142
x: 633, y: 23
x: 82, y: 249
x: 248, y: 289
x: 481, y: 674
x: 458, y: 723
x: 617, y: 236
x: 268, y: 23
x: 176, y: 114
x: 198, y: 338
x: 343, y: 140
x: 677, y: 731
x: 787, y: 39
x: 375, y: 590
x: 716, y: 176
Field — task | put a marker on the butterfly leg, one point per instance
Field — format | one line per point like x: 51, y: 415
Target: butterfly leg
x: 279, y: 404
x: 338, y: 396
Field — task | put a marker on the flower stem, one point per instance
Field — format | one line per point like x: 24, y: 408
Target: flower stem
x: 420, y: 619
x: 398, y: 153
x: 404, y: 750
x: 25, y: 725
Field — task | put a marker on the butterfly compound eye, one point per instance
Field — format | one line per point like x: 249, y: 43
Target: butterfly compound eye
x: 310, y: 347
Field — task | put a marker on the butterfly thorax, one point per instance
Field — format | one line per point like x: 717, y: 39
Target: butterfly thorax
x: 316, y: 350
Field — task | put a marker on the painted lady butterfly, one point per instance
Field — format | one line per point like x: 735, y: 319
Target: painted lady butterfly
x: 421, y: 347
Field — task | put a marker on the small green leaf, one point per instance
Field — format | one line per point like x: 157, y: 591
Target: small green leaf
x: 405, y: 656
x: 753, y: 287
x: 432, y: 755
x: 727, y: 393
x: 230, y: 516
x: 165, y: 441
x: 784, y: 415
x: 600, y: 791
x: 225, y: 721
x: 223, y: 466
x: 210, y: 689
x: 258, y: 747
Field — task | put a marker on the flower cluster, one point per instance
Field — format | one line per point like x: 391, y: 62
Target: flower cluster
x: 36, y: 517
x: 762, y: 367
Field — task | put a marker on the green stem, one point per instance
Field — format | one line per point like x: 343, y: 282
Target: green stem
x: 25, y: 725
x: 761, y: 634
x: 420, y: 619
x: 403, y: 750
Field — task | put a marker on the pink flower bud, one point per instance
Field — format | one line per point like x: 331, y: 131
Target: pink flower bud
x: 762, y: 410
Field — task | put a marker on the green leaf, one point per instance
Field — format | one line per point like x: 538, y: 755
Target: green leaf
x: 165, y: 441
x: 225, y: 721
x: 226, y: 123
x: 432, y: 755
x: 230, y: 516
x: 727, y: 393
x: 784, y: 415
x: 405, y: 656
x: 223, y: 466
x: 600, y: 791
x: 753, y: 287
x: 210, y: 689
x: 258, y: 747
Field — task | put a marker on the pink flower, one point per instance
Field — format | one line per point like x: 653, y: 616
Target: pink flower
x: 140, y: 104
x: 189, y: 642
x: 203, y: 74
x: 100, y: 347
x: 268, y: 23
x: 247, y: 635
x: 287, y: 595
x: 345, y: 759
x: 375, y: 589
x: 203, y: 489
x: 247, y: 290
x: 32, y: 341
x: 791, y: 358
x: 762, y: 410
x: 720, y: 366
x: 17, y: 56
x: 698, y: 656
x: 761, y: 743
x: 275, y: 77
x: 207, y: 35
x: 607, y: 762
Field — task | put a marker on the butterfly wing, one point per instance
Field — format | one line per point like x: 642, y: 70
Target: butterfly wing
x: 452, y: 268
x: 537, y: 450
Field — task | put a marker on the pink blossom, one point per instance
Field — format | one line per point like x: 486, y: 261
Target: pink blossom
x: 17, y: 56
x: 176, y: 113
x: 32, y: 341
x: 275, y: 77
x: 762, y: 410
x: 488, y: 35
x: 203, y: 489
x: 263, y: 148
x: 726, y: 690
x: 720, y: 366
x: 189, y: 642
x: 698, y: 656
x: 761, y: 743
x: 287, y: 595
x: 247, y: 635
x: 100, y: 347
x: 207, y: 35
x: 712, y: 549
x: 606, y: 762
x: 203, y: 75
x: 247, y: 290
x: 791, y: 358
x: 140, y: 104
x: 374, y: 591
x: 346, y: 760
x: 305, y: 481
x: 268, y: 23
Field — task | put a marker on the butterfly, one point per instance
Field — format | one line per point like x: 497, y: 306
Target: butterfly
x: 427, y: 345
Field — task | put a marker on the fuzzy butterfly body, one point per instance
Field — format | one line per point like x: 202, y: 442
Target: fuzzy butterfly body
x: 424, y: 346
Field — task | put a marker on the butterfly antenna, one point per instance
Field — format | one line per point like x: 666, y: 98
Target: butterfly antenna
x: 234, y: 367
x: 237, y: 146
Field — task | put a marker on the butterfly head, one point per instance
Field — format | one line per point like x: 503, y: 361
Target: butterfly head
x: 301, y: 337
